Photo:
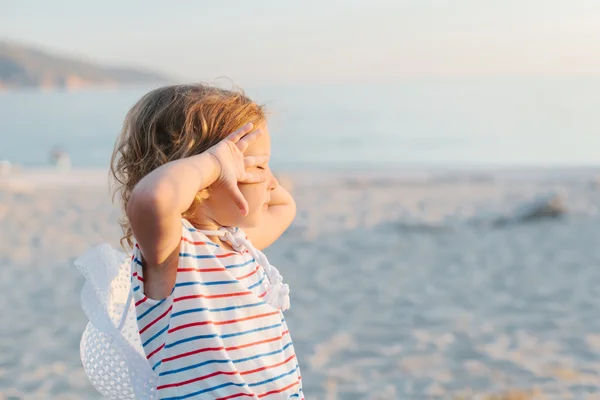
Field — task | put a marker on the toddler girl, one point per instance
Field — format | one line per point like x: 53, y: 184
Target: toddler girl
x: 196, y: 311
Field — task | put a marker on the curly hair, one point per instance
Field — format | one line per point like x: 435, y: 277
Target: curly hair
x: 171, y: 123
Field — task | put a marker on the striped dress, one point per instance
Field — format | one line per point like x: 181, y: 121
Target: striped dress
x: 215, y: 337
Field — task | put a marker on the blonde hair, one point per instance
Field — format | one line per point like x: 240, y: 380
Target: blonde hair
x: 172, y: 123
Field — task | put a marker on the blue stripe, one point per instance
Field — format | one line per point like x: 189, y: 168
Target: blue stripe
x: 265, y: 354
x: 193, y: 310
x: 138, y: 262
x: 204, y: 283
x: 206, y: 241
x: 274, y: 378
x: 257, y: 283
x: 135, y: 289
x: 204, y: 391
x: 155, y: 336
x: 150, y: 309
x: 175, y: 371
x: 197, y: 255
x: 156, y: 365
x: 168, y: 346
x: 253, y: 330
x: 240, y: 265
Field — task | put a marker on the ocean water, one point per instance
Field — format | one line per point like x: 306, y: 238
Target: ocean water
x: 448, y: 123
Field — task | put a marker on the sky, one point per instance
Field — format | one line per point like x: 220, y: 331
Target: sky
x: 279, y: 41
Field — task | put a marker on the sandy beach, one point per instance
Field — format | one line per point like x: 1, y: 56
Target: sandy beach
x: 404, y: 286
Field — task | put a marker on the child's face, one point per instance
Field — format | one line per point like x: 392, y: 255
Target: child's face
x: 258, y: 195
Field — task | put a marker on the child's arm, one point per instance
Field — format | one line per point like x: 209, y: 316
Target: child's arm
x: 279, y: 216
x: 160, y: 198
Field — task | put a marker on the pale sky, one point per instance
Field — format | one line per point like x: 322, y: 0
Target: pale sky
x: 284, y: 41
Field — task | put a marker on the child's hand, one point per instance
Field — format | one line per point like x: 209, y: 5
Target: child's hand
x: 232, y: 164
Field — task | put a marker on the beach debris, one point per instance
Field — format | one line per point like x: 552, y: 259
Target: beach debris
x: 60, y: 158
x: 543, y: 207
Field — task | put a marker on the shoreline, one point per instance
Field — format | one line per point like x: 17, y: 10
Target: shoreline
x: 15, y: 176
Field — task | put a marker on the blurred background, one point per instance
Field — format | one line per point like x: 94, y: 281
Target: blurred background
x: 444, y: 156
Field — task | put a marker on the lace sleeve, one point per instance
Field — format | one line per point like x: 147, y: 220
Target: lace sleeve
x: 113, y: 358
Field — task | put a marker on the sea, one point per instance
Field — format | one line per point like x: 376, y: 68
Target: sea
x: 441, y: 123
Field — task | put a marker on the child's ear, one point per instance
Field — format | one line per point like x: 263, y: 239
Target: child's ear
x: 202, y: 195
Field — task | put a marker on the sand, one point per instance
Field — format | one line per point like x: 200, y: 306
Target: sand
x: 403, y: 287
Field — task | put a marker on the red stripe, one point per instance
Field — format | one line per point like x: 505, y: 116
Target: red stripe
x: 156, y: 320
x: 155, y: 351
x: 214, y: 296
x: 141, y: 301
x: 268, y: 366
x: 248, y: 275
x: 259, y: 342
x: 139, y: 277
x: 262, y: 295
x: 221, y: 269
x: 231, y: 321
x: 201, y: 269
x: 191, y: 353
x: 226, y: 255
x: 278, y: 391
x: 184, y: 239
x: 200, y: 378
x: 233, y: 396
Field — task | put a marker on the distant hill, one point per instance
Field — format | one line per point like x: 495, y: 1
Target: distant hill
x: 22, y: 66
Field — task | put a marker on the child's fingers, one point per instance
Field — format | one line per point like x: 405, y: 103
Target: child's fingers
x: 238, y: 199
x: 254, y: 177
x: 237, y: 135
x: 253, y: 161
x: 247, y: 140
